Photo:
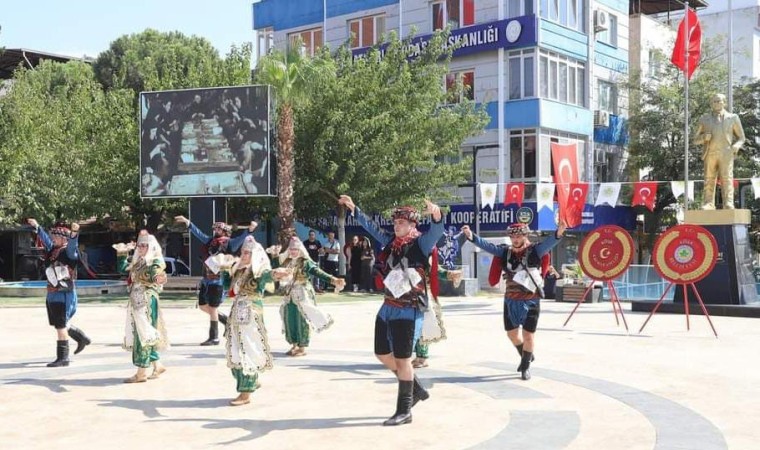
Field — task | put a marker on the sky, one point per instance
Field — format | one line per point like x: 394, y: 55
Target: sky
x: 87, y: 27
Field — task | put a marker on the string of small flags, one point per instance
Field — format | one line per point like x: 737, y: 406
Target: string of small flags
x: 644, y: 192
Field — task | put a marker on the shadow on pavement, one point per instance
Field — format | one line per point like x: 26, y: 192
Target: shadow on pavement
x: 60, y: 385
x: 260, y: 428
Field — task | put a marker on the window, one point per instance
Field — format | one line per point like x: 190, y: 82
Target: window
x: 561, y: 78
x: 568, y: 13
x: 457, y: 13
x: 366, y: 31
x: 265, y: 42
x: 309, y: 40
x: 655, y: 64
x: 607, y: 96
x: 522, y: 154
x: 518, y: 8
x: 609, y: 36
x: 467, y: 81
x: 521, y: 74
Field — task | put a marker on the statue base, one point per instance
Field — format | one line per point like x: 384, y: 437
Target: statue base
x: 731, y: 281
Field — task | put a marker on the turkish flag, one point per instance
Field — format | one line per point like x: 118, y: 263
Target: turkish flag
x: 694, y: 39
x: 514, y: 193
x: 565, y: 161
x: 576, y: 201
x: 644, y: 193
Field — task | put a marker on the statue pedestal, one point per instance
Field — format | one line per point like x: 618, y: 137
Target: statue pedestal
x: 731, y: 282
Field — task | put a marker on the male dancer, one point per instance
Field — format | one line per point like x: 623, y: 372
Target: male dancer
x: 403, y: 263
x: 211, y: 291
x: 61, y: 256
x: 520, y: 263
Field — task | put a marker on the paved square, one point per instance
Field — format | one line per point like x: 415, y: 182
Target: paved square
x: 593, y: 385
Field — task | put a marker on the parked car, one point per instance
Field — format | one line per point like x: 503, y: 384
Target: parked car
x: 176, y: 267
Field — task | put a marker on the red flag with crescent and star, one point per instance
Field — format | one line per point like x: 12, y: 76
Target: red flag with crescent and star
x: 576, y: 200
x: 691, y: 38
x: 565, y: 161
x: 644, y: 193
x: 514, y: 193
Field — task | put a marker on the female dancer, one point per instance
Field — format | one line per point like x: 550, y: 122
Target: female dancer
x: 299, y: 311
x: 145, y: 332
x: 246, y: 279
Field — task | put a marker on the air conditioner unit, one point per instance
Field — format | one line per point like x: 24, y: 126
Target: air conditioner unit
x: 601, y: 20
x: 601, y: 119
x: 601, y: 157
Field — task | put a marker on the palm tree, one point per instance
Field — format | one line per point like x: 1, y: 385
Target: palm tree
x: 292, y: 75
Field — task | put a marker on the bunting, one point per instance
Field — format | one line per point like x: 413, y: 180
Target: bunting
x: 514, y: 193
x: 644, y: 193
x: 608, y: 193
x: 488, y: 194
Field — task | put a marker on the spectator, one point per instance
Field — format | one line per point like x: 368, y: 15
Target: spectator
x: 367, y: 261
x: 313, y: 248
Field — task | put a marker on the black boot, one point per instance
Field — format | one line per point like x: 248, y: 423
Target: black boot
x: 520, y: 352
x: 420, y: 393
x: 213, y: 334
x: 525, y: 365
x: 403, y: 404
x: 62, y: 354
x: 223, y: 320
x: 81, y: 339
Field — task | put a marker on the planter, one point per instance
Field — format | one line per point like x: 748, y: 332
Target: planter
x: 573, y: 292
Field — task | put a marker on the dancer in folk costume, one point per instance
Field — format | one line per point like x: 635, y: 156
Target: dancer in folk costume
x: 246, y: 279
x: 521, y: 264
x: 403, y: 263
x: 61, y: 257
x: 433, y: 329
x: 211, y: 291
x: 299, y: 311
x: 145, y: 332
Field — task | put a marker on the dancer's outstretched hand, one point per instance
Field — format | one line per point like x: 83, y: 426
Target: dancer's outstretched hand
x: 339, y: 284
x: 467, y: 232
x: 432, y: 209
x: 346, y: 201
x: 183, y: 220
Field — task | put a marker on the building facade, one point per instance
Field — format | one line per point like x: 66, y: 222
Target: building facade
x: 545, y: 70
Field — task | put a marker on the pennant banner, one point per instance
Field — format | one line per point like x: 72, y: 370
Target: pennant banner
x: 576, y: 201
x: 545, y: 196
x: 565, y: 160
x: 608, y: 193
x: 488, y: 194
x: 644, y: 193
x: 514, y: 193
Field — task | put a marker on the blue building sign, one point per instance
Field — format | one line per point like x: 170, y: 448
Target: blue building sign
x: 515, y: 32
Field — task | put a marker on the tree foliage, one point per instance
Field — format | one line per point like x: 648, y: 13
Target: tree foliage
x: 69, y: 132
x: 61, y: 142
x: 381, y: 131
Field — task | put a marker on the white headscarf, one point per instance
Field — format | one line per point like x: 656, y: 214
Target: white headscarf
x: 259, y: 258
x: 294, y: 243
x: 154, y: 251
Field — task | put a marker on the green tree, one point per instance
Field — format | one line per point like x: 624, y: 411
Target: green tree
x: 292, y: 76
x: 381, y: 131
x: 59, y: 133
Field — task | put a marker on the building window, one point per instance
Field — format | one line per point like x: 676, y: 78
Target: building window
x: 569, y: 13
x: 265, y: 42
x: 607, y: 96
x: 467, y: 81
x: 516, y: 8
x: 655, y: 64
x: 366, y: 31
x: 609, y: 36
x: 522, y: 154
x: 309, y: 41
x: 521, y: 74
x: 457, y: 13
x: 561, y: 78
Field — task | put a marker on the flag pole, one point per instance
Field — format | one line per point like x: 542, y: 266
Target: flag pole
x: 686, y: 106
x: 730, y: 57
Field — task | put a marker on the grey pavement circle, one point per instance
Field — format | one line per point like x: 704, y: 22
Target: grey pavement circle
x: 676, y: 426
